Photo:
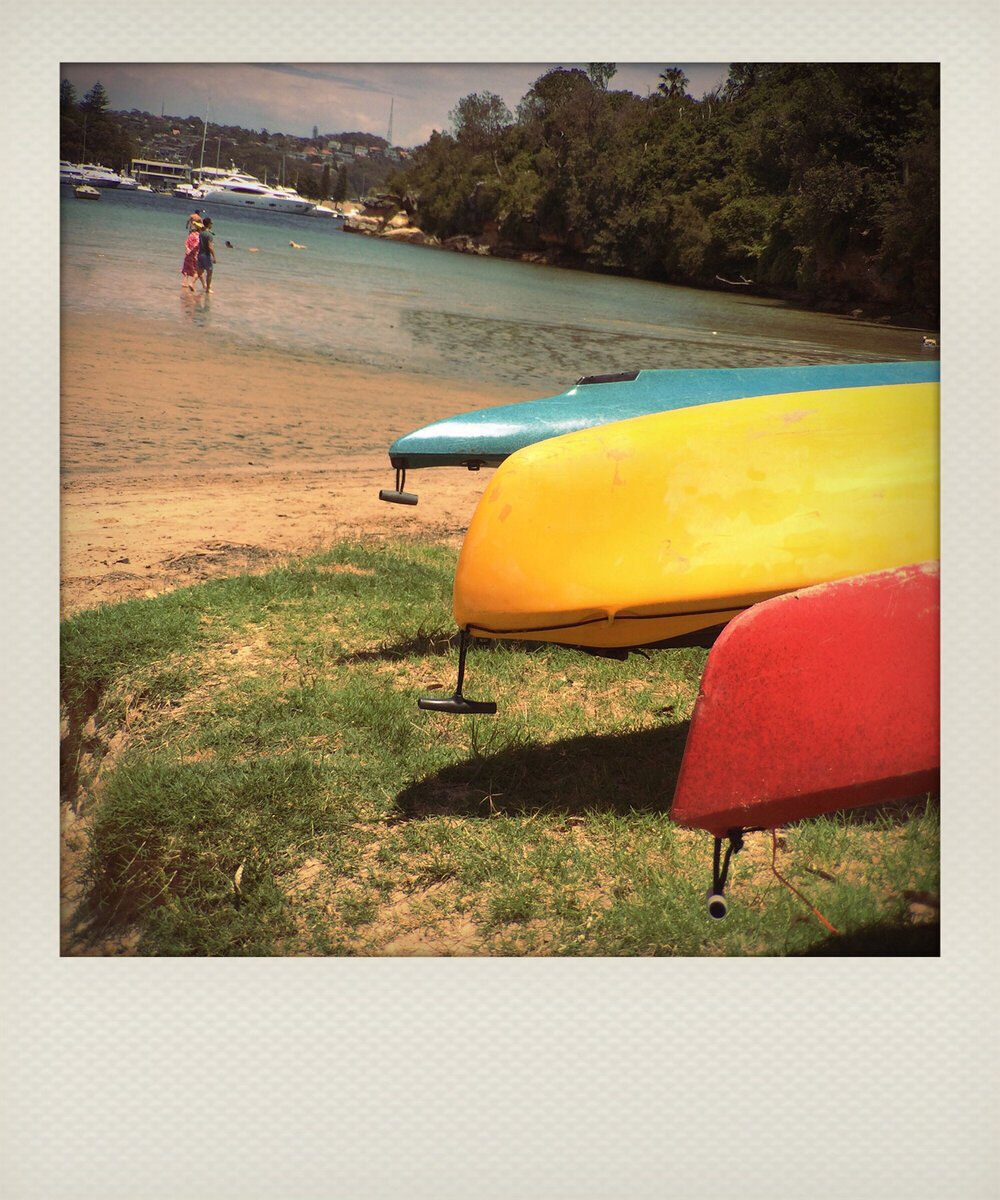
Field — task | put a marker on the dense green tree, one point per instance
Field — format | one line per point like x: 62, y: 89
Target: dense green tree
x: 88, y: 131
x: 814, y: 179
x: 601, y: 74
x: 673, y: 82
x: 96, y: 100
x: 479, y: 122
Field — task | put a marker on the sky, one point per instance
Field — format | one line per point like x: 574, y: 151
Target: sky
x: 292, y: 98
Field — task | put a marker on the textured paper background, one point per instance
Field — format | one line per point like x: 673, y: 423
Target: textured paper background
x: 502, y: 1079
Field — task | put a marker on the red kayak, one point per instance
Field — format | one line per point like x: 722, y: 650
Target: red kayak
x: 818, y: 700
x: 815, y: 701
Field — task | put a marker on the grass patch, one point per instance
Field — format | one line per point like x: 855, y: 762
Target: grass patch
x: 256, y: 779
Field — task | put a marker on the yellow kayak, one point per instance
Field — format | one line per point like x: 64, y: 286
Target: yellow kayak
x: 662, y: 527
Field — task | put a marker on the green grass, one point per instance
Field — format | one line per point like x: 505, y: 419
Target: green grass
x: 254, y: 778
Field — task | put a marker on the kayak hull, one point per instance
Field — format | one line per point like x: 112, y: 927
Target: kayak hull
x: 820, y: 700
x: 487, y: 436
x: 650, y: 530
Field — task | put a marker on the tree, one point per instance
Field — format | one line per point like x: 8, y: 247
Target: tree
x: 601, y: 74
x: 673, y: 82
x: 324, y: 183
x: 479, y: 121
x: 820, y: 179
x: 96, y: 100
x: 742, y: 79
x: 550, y: 93
x: 88, y: 130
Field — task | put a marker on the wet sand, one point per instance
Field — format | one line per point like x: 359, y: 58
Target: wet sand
x: 182, y: 458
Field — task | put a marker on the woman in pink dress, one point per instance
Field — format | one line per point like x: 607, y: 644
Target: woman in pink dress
x: 189, y: 269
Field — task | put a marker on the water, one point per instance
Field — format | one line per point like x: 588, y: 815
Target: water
x: 359, y: 300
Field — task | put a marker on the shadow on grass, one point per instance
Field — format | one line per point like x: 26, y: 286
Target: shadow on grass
x: 622, y: 773
x: 881, y: 941
x: 435, y: 643
x: 896, y: 812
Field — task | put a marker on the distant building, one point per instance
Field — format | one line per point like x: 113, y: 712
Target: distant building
x: 160, y: 174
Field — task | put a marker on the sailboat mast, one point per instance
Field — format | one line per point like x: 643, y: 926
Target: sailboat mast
x: 204, y: 133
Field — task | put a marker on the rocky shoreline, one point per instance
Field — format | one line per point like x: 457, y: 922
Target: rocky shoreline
x: 386, y: 217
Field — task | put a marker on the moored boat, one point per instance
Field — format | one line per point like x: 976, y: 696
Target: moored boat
x: 100, y: 177
x: 70, y: 173
x: 88, y: 173
x: 238, y: 189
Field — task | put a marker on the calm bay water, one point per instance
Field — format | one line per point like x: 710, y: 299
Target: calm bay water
x: 359, y: 300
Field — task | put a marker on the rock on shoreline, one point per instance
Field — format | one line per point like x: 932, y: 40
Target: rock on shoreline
x: 397, y: 228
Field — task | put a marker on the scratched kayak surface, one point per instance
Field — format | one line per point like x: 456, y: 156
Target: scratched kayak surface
x: 486, y: 437
x: 657, y: 528
x: 819, y: 700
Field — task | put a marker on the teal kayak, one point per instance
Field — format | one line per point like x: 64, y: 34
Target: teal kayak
x: 485, y: 437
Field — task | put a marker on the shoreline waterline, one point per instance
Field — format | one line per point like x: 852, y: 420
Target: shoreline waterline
x: 171, y: 449
x: 276, y: 399
x: 377, y: 303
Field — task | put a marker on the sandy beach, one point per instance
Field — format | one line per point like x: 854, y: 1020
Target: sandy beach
x: 182, y: 458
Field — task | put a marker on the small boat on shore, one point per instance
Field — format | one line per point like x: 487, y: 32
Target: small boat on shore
x: 485, y: 437
x: 661, y: 529
x: 817, y: 701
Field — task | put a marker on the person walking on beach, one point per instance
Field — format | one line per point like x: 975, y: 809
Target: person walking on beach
x: 206, y: 255
x: 189, y: 268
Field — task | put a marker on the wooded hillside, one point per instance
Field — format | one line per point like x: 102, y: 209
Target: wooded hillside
x: 811, y: 181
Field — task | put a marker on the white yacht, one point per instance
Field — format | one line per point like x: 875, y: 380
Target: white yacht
x: 101, y: 177
x: 89, y: 173
x: 187, y: 191
x: 240, y: 190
